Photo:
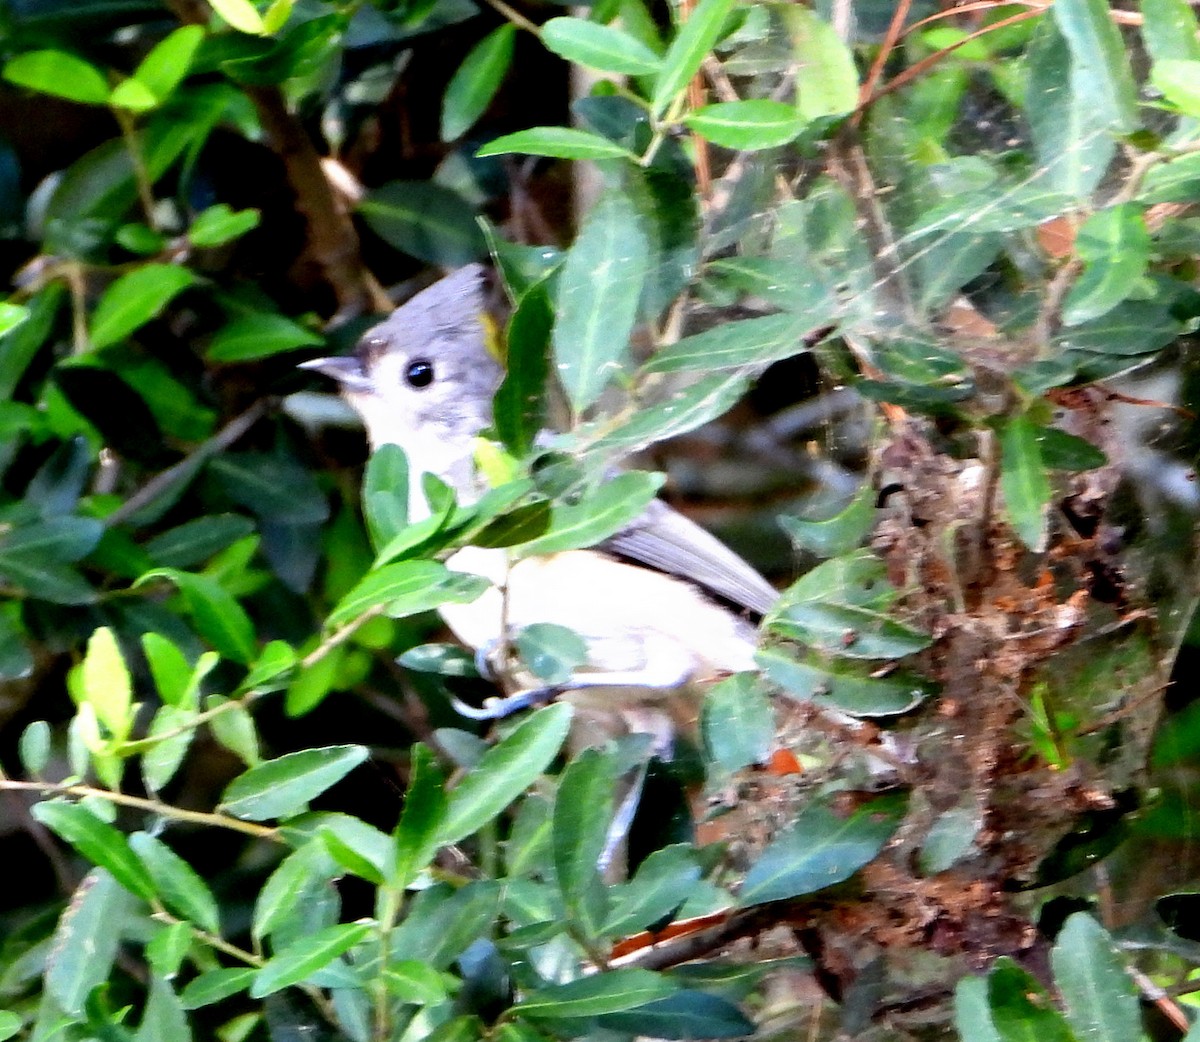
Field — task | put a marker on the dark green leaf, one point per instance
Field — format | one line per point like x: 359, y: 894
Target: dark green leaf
x: 60, y: 74
x: 259, y: 336
x: 99, y: 842
x: 1063, y: 451
x: 214, y: 985
x: 552, y: 652
x: 684, y: 1015
x: 1021, y: 1011
x: 582, y: 810
x: 598, y: 292
x: 519, y: 405
x: 598, y: 515
x: 1135, y: 327
x: 1100, y: 66
x: 418, y: 832
x: 179, y: 886
x: 662, y: 884
x: 276, y: 487
x: 506, y: 771
x: 609, y: 992
x: 836, y: 535
x: 737, y: 723
x: 134, y: 299
x: 1100, y: 999
x: 1023, y: 481
x: 557, y: 143
x: 1114, y: 246
x: 279, y: 788
x: 473, y: 86
x: 746, y: 342
x: 692, y: 44
x: 596, y: 46
x: 424, y: 220
x: 86, y: 939
x: 821, y: 848
x: 195, y: 541
x: 447, y: 660
x: 848, y: 631
x: 298, y: 878
x: 520, y: 525
x: 218, y: 616
x: 385, y: 494
x: 746, y: 125
x: 301, y: 960
x: 849, y: 692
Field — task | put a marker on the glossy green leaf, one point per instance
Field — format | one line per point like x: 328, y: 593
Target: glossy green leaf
x: 838, y: 534
x: 597, y: 515
x: 473, y: 86
x: 170, y: 734
x: 858, y: 578
x: 97, y: 841
x: 259, y: 336
x: 1099, y: 995
x: 582, y: 811
x: 281, y: 787
x: 1063, y: 451
x: 385, y: 494
x: 506, y: 771
x: 556, y: 143
x: 685, y: 1015
x: 745, y: 342
x: 1100, y: 71
x: 411, y: 980
x: 1169, y: 29
x: 1114, y: 246
x: 843, y: 689
x: 218, y: 616
x: 297, y: 878
x: 60, y: 74
x: 1134, y: 327
x: 662, y: 883
x: 407, y: 588
x: 819, y: 849
x: 447, y: 660
x: 826, y: 79
x: 221, y: 224
x: 596, y: 46
x: 164, y: 68
x: 425, y: 220
x: 213, y: 986
x: 418, y: 832
x: 1023, y: 481
x: 196, y: 541
x: 1178, y: 81
x: 519, y: 405
x: 552, y: 652
x: 609, y: 992
x: 179, y: 886
x: 1021, y: 1010
x: 85, y: 942
x: 598, y: 292
x: 240, y: 14
x: 11, y: 316
x: 848, y: 631
x: 695, y: 39
x: 134, y: 299
x: 737, y: 723
x: 746, y: 125
x: 302, y: 959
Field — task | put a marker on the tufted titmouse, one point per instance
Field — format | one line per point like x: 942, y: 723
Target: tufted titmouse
x: 660, y: 605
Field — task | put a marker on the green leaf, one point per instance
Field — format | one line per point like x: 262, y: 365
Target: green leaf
x: 85, y: 942
x: 218, y: 616
x: 1175, y: 181
x: 1021, y: 1011
x: 737, y: 723
x: 407, y: 588
x: 1135, y: 327
x: 179, y: 886
x: 133, y: 96
x: 685, y: 1015
x: 596, y: 516
x: 234, y: 729
x: 746, y: 125
x: 169, y: 736
x: 104, y: 683
x: 692, y: 44
x: 240, y: 14
x: 556, y: 143
x: 195, y: 541
x: 447, y: 660
x: 385, y: 494
x: 602, y: 47
x: 10, y: 1024
x: 11, y: 316
x: 1063, y: 451
x: 281, y: 787
x: 821, y: 848
x: 1100, y: 65
x: 298, y: 877
x: 134, y: 299
x: 1114, y: 246
x: 519, y: 405
x: 838, y: 534
x: 609, y: 992
x: 598, y: 292
x: 301, y: 960
x: 826, y: 79
x: 413, y: 981
x: 60, y: 74
x: 745, y: 342
x: 951, y: 836
x: 33, y: 747
x: 97, y: 841
x: 221, y: 224
x: 421, y: 821
x: 506, y: 771
x: 164, y: 68
x: 473, y: 86
x: 425, y: 220
x: 841, y: 689
x: 582, y: 811
x: 552, y: 652
x: 848, y: 631
x: 273, y: 485
x: 663, y: 882
x: 1169, y: 29
x: 213, y: 986
x: 1100, y: 998
x: 1023, y: 481
x: 972, y: 1016
x: 1179, y: 82
x: 261, y: 335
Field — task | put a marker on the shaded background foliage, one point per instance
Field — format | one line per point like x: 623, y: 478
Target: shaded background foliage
x: 176, y: 242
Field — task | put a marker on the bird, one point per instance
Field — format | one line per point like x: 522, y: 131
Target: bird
x: 662, y: 606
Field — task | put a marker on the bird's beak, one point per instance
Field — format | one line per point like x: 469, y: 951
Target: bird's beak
x: 345, y: 369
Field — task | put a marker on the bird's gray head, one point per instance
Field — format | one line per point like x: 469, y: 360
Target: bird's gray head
x: 424, y: 378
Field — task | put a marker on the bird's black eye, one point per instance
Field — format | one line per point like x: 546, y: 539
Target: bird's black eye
x: 419, y: 373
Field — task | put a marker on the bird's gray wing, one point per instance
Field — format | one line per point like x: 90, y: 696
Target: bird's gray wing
x: 663, y: 538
